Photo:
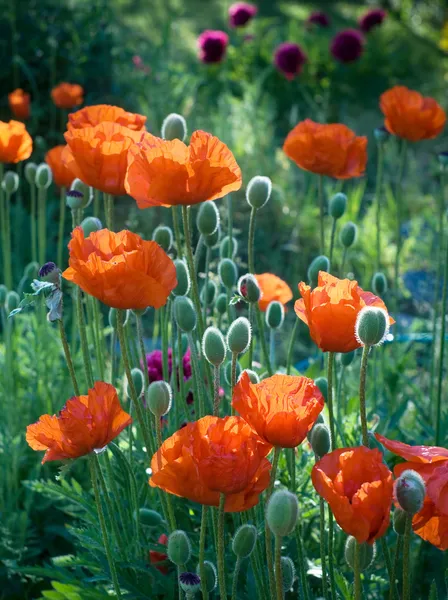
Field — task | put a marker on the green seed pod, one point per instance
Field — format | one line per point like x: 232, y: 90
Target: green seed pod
x: 214, y: 346
x: 91, y: 224
x: 282, y: 512
x: 212, y: 291
x: 399, y: 521
x: 10, y: 182
x: 158, y: 398
x: 74, y: 199
x: 183, y: 278
x: 372, y: 326
x: 366, y: 554
x: 30, y: 172
x: 50, y: 272
x: 348, y: 234
x: 113, y: 318
x: 254, y: 377
x: 275, y: 315
x: 320, y: 440
x: 163, y: 236
x: 174, y: 127
x: 239, y: 336
x: 379, y: 284
x: 244, y: 541
x: 12, y: 301
x: 228, y: 372
x: 149, y: 517
x: 346, y: 358
x: 85, y: 190
x: 225, y: 246
x: 179, y: 548
x: 3, y: 294
x: 381, y: 135
x: 258, y: 191
x: 322, y: 384
x: 288, y: 573
x: 248, y: 288
x: 228, y: 273
x: 185, y: 314
x: 337, y: 205
x: 320, y: 263
x: 31, y: 270
x: 410, y: 491
x: 207, y: 220
x: 44, y: 176
x: 139, y: 383
x: 211, y: 577
x: 221, y: 304
x: 318, y: 421
x: 211, y: 241
x: 190, y: 583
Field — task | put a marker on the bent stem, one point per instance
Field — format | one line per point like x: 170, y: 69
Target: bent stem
x: 191, y: 270
x: 62, y: 202
x: 220, y: 557
x: 236, y: 573
x: 68, y: 356
x: 267, y: 531
x: 362, y: 395
x: 406, y: 553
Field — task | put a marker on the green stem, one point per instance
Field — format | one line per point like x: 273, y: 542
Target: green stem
x: 278, y: 568
x: 190, y: 263
x: 233, y: 372
x: 267, y: 531
x: 176, y: 231
x: 99, y: 350
x: 230, y: 224
x: 344, y: 258
x: 393, y: 592
x: 62, y: 203
x: 207, y: 268
x: 33, y: 223
x: 68, y: 356
x: 250, y: 247
x: 216, y: 398
x: 8, y: 256
x: 362, y: 395
x: 264, y: 348
x: 172, y: 520
x: 302, y: 564
x: 109, y: 210
x: 330, y: 399
x: 250, y: 317
x: 292, y: 340
x: 200, y: 406
x: 406, y: 556
x: 333, y: 235
x: 320, y: 194
x: 202, y: 537
x: 96, y: 203
x: 181, y: 372
x: 236, y: 573
x: 357, y: 573
x: 115, y: 494
x: 331, y: 557
x: 221, y: 565
x: 323, y: 557
x: 272, y: 347
x: 398, y: 199
x: 42, y: 225
x: 378, y: 188
x: 83, y: 338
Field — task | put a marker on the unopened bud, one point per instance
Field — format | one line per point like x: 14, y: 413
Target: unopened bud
x: 12, y: 301
x: 319, y: 420
x: 282, y: 512
x: 44, y: 176
x: 209, y: 292
x: 320, y: 440
x: 149, y: 517
x: 244, y: 541
x: 322, y: 384
x: 288, y: 573
x: 163, y: 236
x: 372, y: 326
x: 248, y: 288
x: 346, y: 358
x: 221, y: 304
x: 113, y: 318
x: 174, y: 127
x: 399, y: 521
x: 381, y: 135
x: 185, y: 314
x: 183, y: 278
x: 258, y: 191
x: 158, y: 398
x: 30, y: 172
x: 211, y: 577
x: 253, y: 376
x: 379, y: 284
x: 179, y: 548
x: 239, y: 336
x: 228, y: 372
x: 50, y: 272
x: 366, y: 554
x: 275, y: 315
x: 348, y: 234
x: 410, y: 491
x: 138, y: 381
x: 211, y: 241
x: 10, y: 182
x: 320, y: 263
x: 190, y: 583
x: 90, y: 225
x: 207, y: 220
x: 337, y: 205
x: 214, y: 346
x: 225, y: 247
x: 228, y: 273
x: 86, y: 191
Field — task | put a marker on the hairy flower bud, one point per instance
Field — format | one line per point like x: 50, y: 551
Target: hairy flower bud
x: 248, y: 288
x: 30, y: 172
x: 163, y: 236
x: 348, y: 234
x: 322, y: 384
x: 149, y: 517
x: 320, y: 440
x: 410, y: 491
x: 346, y: 358
x: 91, y: 224
x: 214, y: 346
x: 372, y: 326
x: 10, y: 182
x: 209, y: 292
x: 275, y: 315
x: 366, y: 554
x: 113, y: 318
x: 3, y: 294
x: 211, y: 241
x: 138, y: 381
x: 288, y: 573
x: 44, y: 176
x: 320, y: 263
x: 228, y: 273
x: 258, y: 191
x: 12, y: 301
x: 253, y: 376
x: 179, y: 548
x: 185, y: 314
x: 239, y: 336
x: 207, y: 220
x: 399, y: 521
x: 183, y: 278
x: 244, y: 541
x: 337, y: 205
x: 282, y: 512
x: 158, y: 398
x: 379, y: 284
x: 174, y: 127
x: 225, y: 246
x: 211, y: 577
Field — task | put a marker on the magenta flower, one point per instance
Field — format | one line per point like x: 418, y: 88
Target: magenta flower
x: 212, y: 46
x: 318, y: 18
x: 241, y: 13
x: 347, y: 46
x: 289, y: 58
x: 154, y: 361
x: 372, y: 19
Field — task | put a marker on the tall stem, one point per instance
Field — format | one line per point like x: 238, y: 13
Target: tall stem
x: 398, y: 199
x: 261, y: 334
x: 202, y: 537
x: 236, y: 573
x: 207, y: 268
x: 320, y: 193
x: 109, y: 210
x: 362, y: 395
x: 378, y: 189
x: 406, y: 555
x: 333, y: 235
x: 278, y: 568
x: 176, y: 228
x: 7, y: 247
x: 267, y: 531
x: 393, y: 575
x: 357, y: 573
x: 216, y: 398
x: 323, y: 556
x: 250, y: 247
x: 190, y: 263
x: 62, y: 203
x: 68, y: 356
x: 302, y: 563
x: 330, y: 399
x: 221, y: 565
x: 200, y: 406
x: 331, y: 554
x: 33, y: 223
x: 41, y: 223
x: 83, y: 337
x: 230, y: 224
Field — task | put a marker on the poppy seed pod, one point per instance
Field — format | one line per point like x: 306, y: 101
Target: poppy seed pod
x: 113, y: 318
x: 228, y: 372
x: 366, y: 553
x: 288, y: 573
x: 207, y: 220
x: 74, y: 199
x: 346, y: 358
x: 410, y: 491
x: 320, y: 440
x: 337, y: 205
x: 50, y: 272
x: 381, y: 135
x: 183, y: 278
x: 3, y: 294
x: 372, y: 326
x: 228, y: 273
x: 399, y: 521
x: 163, y: 236
x: 179, y: 548
x: 211, y: 577
x: 174, y: 127
x: 159, y: 397
x: 214, y: 346
x: 322, y: 384
x: 254, y: 377
x: 86, y: 191
x: 30, y: 172
x: 258, y: 191
x: 190, y: 583
x: 149, y: 517
x: 185, y: 314
x: 275, y: 315
x: 282, y: 513
x: 239, y: 336
x: 209, y: 292
x: 224, y: 247
x: 10, y: 182
x: 91, y: 224
x: 44, y: 176
x: 212, y: 240
x: 320, y: 263
x: 221, y: 304
x: 348, y: 234
x: 379, y: 284
x: 138, y: 381
x: 12, y: 301
x: 249, y: 288
x: 244, y: 541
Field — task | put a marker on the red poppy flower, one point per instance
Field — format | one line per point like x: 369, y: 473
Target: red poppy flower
x: 272, y: 288
x: 62, y: 176
x: 19, y: 103
x: 67, y: 95
x: 330, y: 311
x: 90, y: 116
x: 280, y: 409
x: 431, y: 522
x: 358, y: 487
x: 213, y: 456
x: 156, y: 557
x: 168, y: 173
x: 15, y: 142
x: 85, y: 424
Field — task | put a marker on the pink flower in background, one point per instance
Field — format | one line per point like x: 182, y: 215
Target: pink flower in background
x: 154, y: 360
x: 139, y: 64
x: 347, y: 46
x: 372, y: 19
x: 289, y: 58
x: 241, y: 13
x: 212, y: 46
x: 318, y: 18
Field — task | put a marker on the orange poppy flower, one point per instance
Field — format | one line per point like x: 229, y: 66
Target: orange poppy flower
x: 89, y: 116
x: 169, y: 173
x: 98, y: 155
x: 333, y: 150
x: 358, y: 487
x: 272, y: 288
x: 120, y: 269
x: 410, y: 115
x: 15, y: 142
x: 431, y: 522
x: 62, y: 176
x: 85, y: 424
x: 213, y: 456
x: 330, y: 311
x: 19, y: 103
x: 67, y: 95
x: 280, y: 409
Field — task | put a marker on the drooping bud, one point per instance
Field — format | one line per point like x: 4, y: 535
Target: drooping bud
x: 288, y: 573
x: 320, y: 263
x: 211, y: 577
x: 183, y: 278
x: 185, y: 314
x: 158, y: 398
x: 12, y: 301
x: 228, y: 273
x: 258, y: 191
x: 239, y: 336
x: 346, y: 358
x: 179, y: 548
x: 3, y: 294
x: 214, y: 346
x: 91, y: 224
x: 138, y: 381
x: 248, y: 288
x: 399, y: 521
x: 225, y: 246
x: 86, y: 191
x: 163, y: 236
x: 228, y: 372
x: 50, y: 272
x: 320, y: 440
x: 253, y: 376
x: 30, y: 172
x: 207, y: 220
x: 282, y: 512
x: 275, y: 315
x: 372, y: 326
x: 322, y: 384
x: 348, y: 234
x: 44, y: 176
x: 174, y: 127
x: 212, y: 240
x: 244, y: 541
x: 190, y: 583
x: 10, y: 182
x: 212, y: 291
x: 337, y: 205
x: 366, y: 554
x: 410, y: 491
x: 149, y: 517
x: 113, y: 318
x: 379, y: 284
x: 221, y: 304
x: 381, y: 135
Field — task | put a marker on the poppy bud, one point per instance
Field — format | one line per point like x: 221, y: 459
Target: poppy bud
x: 348, y: 234
x: 322, y: 384
x: 30, y: 172
x: 228, y: 372
x: 275, y: 315
x: 185, y: 314
x: 12, y: 301
x: 159, y: 397
x: 139, y: 382
x: 221, y: 304
x: 320, y: 440
x: 44, y: 176
x: 214, y: 346
x: 318, y: 421
x: 399, y: 521
x: 381, y: 134
x: 244, y: 541
x: 211, y: 578
x: 86, y: 191
x: 379, y: 284
x: 288, y: 573
x: 91, y: 224
x: 211, y: 289
x: 372, y: 326
x: 443, y: 159
x: 410, y: 491
x: 320, y: 263
x: 282, y: 512
x: 163, y: 236
x: 258, y: 191
x: 174, y: 127
x: 74, y: 199
x: 254, y: 377
x: 228, y: 273
x: 366, y: 554
x: 248, y: 288
x: 3, y: 294
x: 346, y: 358
x: 183, y: 278
x: 49, y: 272
x: 207, y: 220
x: 224, y: 247
x: 179, y: 548
x: 10, y: 182
x: 150, y: 517
x: 190, y: 583
x: 337, y: 205
x: 239, y: 336
x: 113, y: 318
x: 212, y: 240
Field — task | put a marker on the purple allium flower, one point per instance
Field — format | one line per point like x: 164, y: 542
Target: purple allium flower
x: 318, y: 18
x: 347, y: 46
x: 289, y: 58
x: 241, y: 13
x: 154, y: 360
x: 212, y: 46
x: 372, y: 19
